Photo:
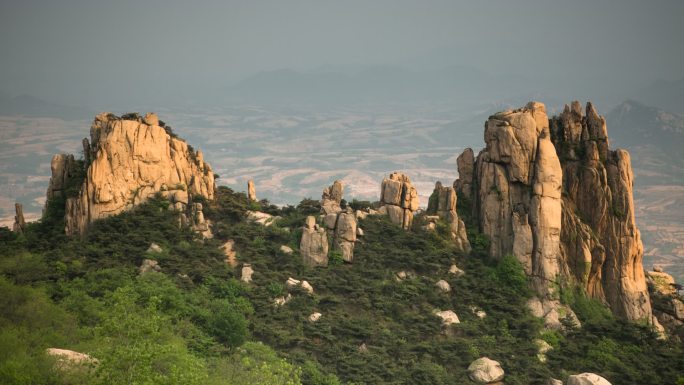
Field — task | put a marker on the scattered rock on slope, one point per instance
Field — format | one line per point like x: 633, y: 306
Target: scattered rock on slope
x: 485, y: 371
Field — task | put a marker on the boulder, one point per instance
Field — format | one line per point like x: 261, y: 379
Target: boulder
x: 553, y: 312
x: 69, y: 359
x: 448, y: 317
x: 149, y: 266
x: 553, y: 381
x: 280, y: 301
x: 314, y: 317
x: 466, y: 166
x: 261, y: 218
x: 456, y: 271
x: 154, y: 248
x: 332, y: 197
x: 307, y: 286
x: 661, y: 282
x: 587, y: 379
x: 479, y: 313
x: 246, y: 274
x: 485, y: 371
x: 443, y: 286
x: 286, y: 250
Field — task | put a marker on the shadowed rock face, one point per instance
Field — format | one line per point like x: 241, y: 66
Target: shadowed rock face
x: 601, y: 245
x: 553, y: 194
x: 126, y: 162
x: 443, y: 204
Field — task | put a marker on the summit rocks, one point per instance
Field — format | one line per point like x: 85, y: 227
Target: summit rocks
x: 398, y: 199
x: 552, y: 193
x: 127, y: 160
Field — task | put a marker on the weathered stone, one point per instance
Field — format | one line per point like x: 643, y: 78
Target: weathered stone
x: 314, y: 244
x: 251, y: 191
x: 448, y: 317
x: 154, y: 248
x: 128, y: 162
x: 398, y: 199
x: 466, y: 168
x: 543, y: 347
x: 230, y: 253
x: 280, y: 301
x: 286, y: 250
x: 261, y: 218
x: 443, y: 203
x: 69, y: 359
x: 443, y: 286
x: 246, y: 274
x: 485, y: 371
x: 307, y: 286
x: 19, y: 223
x: 587, y: 379
x: 148, y: 266
x: 332, y: 197
x: 456, y: 271
x: 661, y: 282
x: 314, y: 317
x: 553, y: 312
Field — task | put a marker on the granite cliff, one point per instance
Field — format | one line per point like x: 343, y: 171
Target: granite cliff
x: 552, y: 193
x: 127, y: 160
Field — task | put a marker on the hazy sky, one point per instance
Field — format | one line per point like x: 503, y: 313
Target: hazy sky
x: 80, y: 51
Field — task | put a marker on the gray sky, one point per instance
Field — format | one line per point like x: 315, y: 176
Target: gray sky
x: 87, y: 51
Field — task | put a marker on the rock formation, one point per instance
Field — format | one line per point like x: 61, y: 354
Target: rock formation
x: 331, y: 198
x: 601, y: 245
x: 485, y: 371
x: 516, y: 191
x: 314, y: 244
x: 19, y: 222
x: 251, y: 191
x: 587, y: 379
x: 339, y: 220
x: 443, y: 203
x: 398, y: 199
x: 551, y: 193
x: 126, y: 161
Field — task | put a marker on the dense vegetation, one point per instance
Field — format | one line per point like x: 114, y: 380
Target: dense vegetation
x: 196, y: 323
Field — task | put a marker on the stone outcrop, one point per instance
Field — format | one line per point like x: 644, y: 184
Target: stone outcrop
x: 19, y: 222
x: 465, y: 164
x: 448, y: 317
x: 251, y: 191
x: 551, y: 193
x: 230, y: 252
x: 68, y: 359
x: 246, y: 273
x: 485, y: 371
x: 126, y: 161
x: 516, y: 192
x: 332, y: 198
x: 601, y: 245
x: 398, y: 199
x: 339, y: 220
x: 314, y: 244
x: 443, y: 203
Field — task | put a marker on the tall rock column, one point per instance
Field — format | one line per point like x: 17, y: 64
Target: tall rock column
x: 443, y: 203
x: 251, y: 191
x: 19, y: 223
x: 339, y: 220
x: 398, y: 199
x: 601, y: 246
x: 314, y: 244
x: 516, y: 191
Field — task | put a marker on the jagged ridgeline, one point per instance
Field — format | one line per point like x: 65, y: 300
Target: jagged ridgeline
x: 526, y: 270
x: 127, y: 160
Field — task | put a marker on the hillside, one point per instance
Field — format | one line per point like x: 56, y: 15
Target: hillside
x: 192, y: 321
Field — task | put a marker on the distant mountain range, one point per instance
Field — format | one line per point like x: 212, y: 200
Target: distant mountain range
x: 35, y: 107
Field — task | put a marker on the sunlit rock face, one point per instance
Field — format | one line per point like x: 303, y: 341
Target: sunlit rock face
x: 552, y: 193
x: 126, y: 161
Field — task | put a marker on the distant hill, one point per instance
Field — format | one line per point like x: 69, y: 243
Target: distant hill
x: 35, y: 107
x: 635, y: 124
